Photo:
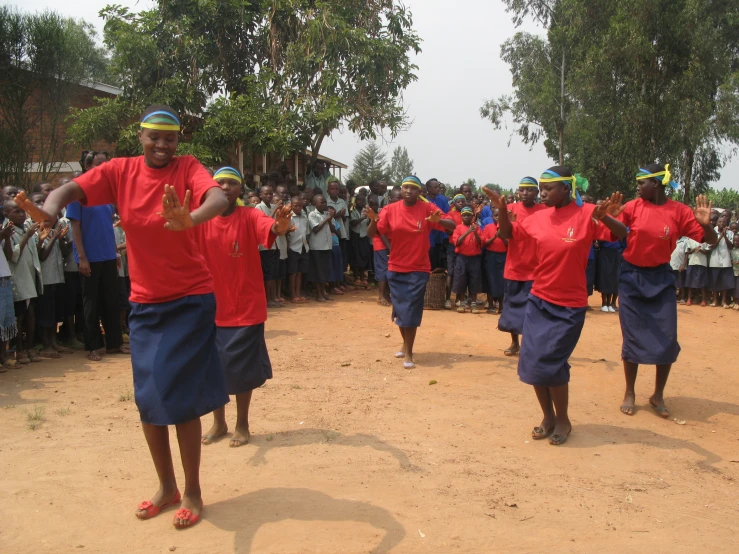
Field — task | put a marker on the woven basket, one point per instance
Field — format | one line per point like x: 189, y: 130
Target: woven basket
x: 435, y: 292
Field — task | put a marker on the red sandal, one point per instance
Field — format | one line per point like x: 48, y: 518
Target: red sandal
x: 152, y: 511
x: 188, y: 516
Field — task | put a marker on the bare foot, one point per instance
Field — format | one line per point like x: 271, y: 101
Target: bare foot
x: 162, y: 499
x: 628, y: 406
x: 214, y: 433
x: 189, y: 512
x: 240, y: 437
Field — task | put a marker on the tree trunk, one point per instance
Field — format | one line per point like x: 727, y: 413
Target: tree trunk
x: 689, y: 160
x: 316, y: 147
x: 562, y: 111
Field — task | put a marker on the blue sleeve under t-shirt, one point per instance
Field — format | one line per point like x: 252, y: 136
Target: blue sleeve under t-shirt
x: 98, y: 235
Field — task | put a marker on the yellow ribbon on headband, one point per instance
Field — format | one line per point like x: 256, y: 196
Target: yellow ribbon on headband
x: 666, y: 175
x: 557, y: 180
x: 160, y: 126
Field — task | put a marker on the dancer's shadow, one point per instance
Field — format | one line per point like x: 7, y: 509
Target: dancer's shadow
x: 303, y: 437
x: 609, y: 365
x: 590, y: 435
x: 447, y: 360
x: 274, y: 333
x: 699, y: 409
x: 246, y: 514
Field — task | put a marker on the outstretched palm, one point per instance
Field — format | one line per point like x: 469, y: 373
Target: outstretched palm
x: 703, y: 210
x: 495, y: 199
x: 435, y: 217
x: 34, y: 212
x: 282, y: 220
x: 177, y: 215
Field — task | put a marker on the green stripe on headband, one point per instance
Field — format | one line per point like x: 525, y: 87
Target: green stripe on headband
x: 459, y: 197
x: 528, y: 182
x: 467, y: 210
x: 160, y: 121
x: 412, y: 180
x: 228, y: 173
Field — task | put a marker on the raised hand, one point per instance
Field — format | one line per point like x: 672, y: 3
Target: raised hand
x: 495, y: 199
x: 703, y: 210
x: 512, y: 216
x: 6, y: 231
x: 370, y: 214
x: 177, y: 215
x: 615, y: 204
x: 63, y: 232
x: 34, y: 212
x: 44, y: 233
x: 32, y: 230
x: 282, y: 220
x: 435, y: 217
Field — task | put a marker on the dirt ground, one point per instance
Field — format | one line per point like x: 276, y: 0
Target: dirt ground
x: 352, y: 453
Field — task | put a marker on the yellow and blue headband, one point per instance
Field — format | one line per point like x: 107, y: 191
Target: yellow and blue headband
x: 528, y: 182
x: 228, y: 173
x: 666, y: 176
x: 414, y: 181
x: 467, y: 210
x: 459, y: 197
x: 575, y: 181
x: 161, y: 121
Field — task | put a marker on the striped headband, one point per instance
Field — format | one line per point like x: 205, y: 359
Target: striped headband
x: 575, y: 181
x: 467, y: 210
x: 459, y: 197
x: 228, y: 173
x: 666, y: 176
x: 528, y: 182
x: 161, y: 121
x: 414, y: 181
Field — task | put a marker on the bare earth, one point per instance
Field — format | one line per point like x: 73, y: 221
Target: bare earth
x: 351, y: 453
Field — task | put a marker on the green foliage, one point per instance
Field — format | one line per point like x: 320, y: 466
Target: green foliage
x: 639, y: 81
x: 286, y: 74
x: 724, y: 198
x: 43, y: 59
x: 401, y: 166
x: 369, y: 164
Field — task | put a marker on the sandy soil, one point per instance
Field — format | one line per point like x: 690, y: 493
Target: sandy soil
x: 351, y: 453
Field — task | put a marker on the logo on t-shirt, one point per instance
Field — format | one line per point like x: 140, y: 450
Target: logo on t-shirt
x: 570, y: 235
x: 419, y: 226
x: 235, y: 252
x: 666, y: 236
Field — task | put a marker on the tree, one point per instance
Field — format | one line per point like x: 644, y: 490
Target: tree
x: 644, y: 80
x: 43, y: 58
x: 401, y: 165
x: 369, y: 164
x: 313, y: 66
x: 724, y: 198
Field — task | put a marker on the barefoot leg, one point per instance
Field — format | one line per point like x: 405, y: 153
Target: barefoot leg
x: 515, y: 346
x: 657, y: 400
x: 188, y: 437
x: 547, y: 408
x: 219, y: 427
x: 157, y: 437
x: 562, y: 426
x: 630, y: 371
x: 409, y: 334
x: 241, y: 432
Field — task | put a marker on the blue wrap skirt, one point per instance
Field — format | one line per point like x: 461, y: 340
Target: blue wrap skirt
x: 177, y: 374
x: 648, y: 314
x: 381, y: 258
x: 407, y: 291
x: 550, y: 335
x: 494, y: 266
x: 244, y: 357
x: 515, y: 297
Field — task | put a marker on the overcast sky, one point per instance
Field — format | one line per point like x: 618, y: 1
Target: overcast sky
x: 459, y: 68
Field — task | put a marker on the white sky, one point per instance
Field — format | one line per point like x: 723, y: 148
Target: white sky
x: 458, y: 69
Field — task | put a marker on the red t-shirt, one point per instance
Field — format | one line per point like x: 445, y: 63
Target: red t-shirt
x: 163, y: 265
x: 561, y: 239
x: 455, y: 216
x: 654, y: 230
x: 497, y: 245
x: 469, y: 247
x: 407, y: 228
x: 521, y: 259
x: 229, y: 245
x: 377, y: 243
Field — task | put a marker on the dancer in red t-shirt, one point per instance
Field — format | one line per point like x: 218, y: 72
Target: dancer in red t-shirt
x: 646, y: 288
x: 407, y: 224
x: 555, y: 310
x: 230, y: 243
x: 176, y: 371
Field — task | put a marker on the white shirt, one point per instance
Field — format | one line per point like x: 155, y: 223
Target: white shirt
x: 4, y: 267
x: 270, y: 212
x: 679, y: 255
x: 25, y: 266
x: 298, y: 239
x: 322, y: 239
x: 362, y: 227
x: 697, y: 258
x: 339, y: 205
x: 721, y: 254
